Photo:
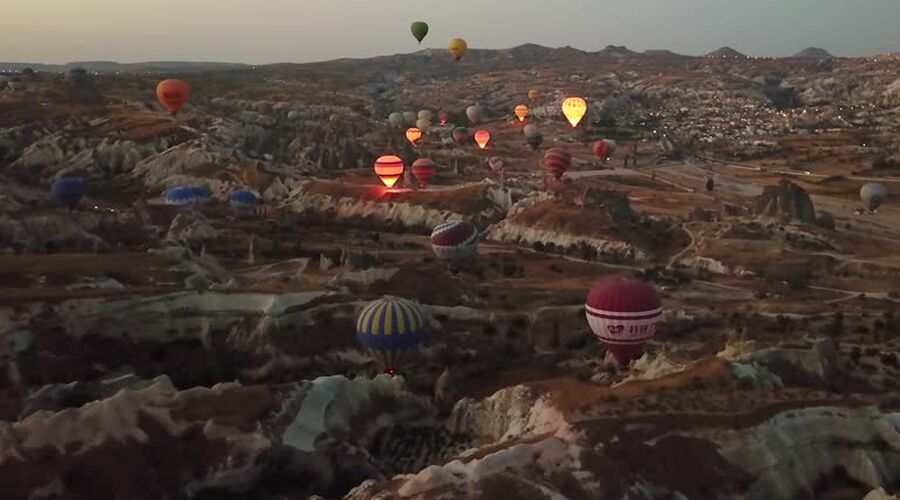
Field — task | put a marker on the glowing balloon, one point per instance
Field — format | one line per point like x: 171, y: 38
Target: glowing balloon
x: 521, y: 112
x: 424, y: 169
x: 574, y: 108
x: 68, y: 191
x: 390, y: 327
x: 482, y: 138
x: 623, y: 314
x: 173, y: 94
x: 557, y: 161
x: 389, y: 169
x: 419, y: 29
x: 413, y: 135
x: 534, y: 95
x: 458, y: 48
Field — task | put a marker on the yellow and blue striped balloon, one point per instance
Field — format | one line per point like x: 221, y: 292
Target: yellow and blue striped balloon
x: 389, y: 327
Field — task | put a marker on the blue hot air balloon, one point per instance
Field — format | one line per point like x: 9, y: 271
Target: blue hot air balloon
x: 390, y: 327
x: 188, y: 196
x: 243, y: 203
x: 68, y: 190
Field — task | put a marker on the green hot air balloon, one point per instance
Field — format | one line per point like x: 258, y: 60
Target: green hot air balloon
x: 419, y: 29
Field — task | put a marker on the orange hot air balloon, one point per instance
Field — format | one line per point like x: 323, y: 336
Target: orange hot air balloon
x: 521, y: 112
x: 574, y: 108
x: 482, y: 138
x: 173, y: 94
x: 389, y: 168
x: 413, y: 135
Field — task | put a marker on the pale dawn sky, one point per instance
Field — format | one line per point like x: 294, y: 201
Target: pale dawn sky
x: 266, y: 31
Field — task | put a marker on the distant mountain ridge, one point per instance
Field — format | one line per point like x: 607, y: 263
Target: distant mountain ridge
x: 113, y: 67
x: 813, y: 53
x: 726, y: 53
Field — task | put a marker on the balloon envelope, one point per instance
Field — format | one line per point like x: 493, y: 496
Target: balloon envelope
x: 455, y: 240
x: 389, y: 327
x: 601, y: 149
x: 419, y: 29
x: 425, y: 114
x: 424, y: 169
x: 458, y: 48
x: 423, y: 124
x: 623, y: 313
x: 413, y: 135
x: 873, y: 195
x: 173, y: 94
x: 243, y: 203
x: 533, y: 94
x: 389, y: 168
x: 482, y: 138
x: 530, y: 129
x: 188, y: 196
x: 443, y: 117
x: 68, y: 190
x: 557, y: 161
x: 460, y: 134
x: 574, y: 109
x: 409, y: 118
x: 521, y: 112
x: 396, y: 119
x: 474, y: 113
x: 535, y: 139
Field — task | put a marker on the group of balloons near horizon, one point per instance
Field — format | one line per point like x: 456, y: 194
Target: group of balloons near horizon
x: 621, y: 312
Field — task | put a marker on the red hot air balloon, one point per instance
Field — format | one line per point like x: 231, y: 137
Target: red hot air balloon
x: 623, y: 313
x: 443, y: 117
x: 557, y: 161
x: 460, y: 134
x: 601, y: 149
x: 173, y: 94
x: 482, y: 138
x: 389, y: 169
x: 424, y: 170
x: 455, y: 240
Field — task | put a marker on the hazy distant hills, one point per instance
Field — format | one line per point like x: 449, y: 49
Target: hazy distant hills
x: 813, y: 53
x: 519, y: 56
x: 114, y: 67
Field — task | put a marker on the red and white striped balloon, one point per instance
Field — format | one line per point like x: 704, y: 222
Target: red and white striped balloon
x: 424, y: 169
x: 455, y: 240
x: 623, y: 313
x: 389, y: 168
x: 557, y: 161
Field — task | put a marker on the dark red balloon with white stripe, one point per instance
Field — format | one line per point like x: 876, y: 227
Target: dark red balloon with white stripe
x: 557, y: 161
x: 601, y: 150
x: 623, y: 313
x: 455, y: 240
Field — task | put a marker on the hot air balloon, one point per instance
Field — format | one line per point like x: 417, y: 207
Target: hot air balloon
x: 623, y: 314
x: 68, y: 191
x: 425, y: 114
x: 455, y: 240
x: 424, y: 170
x: 611, y: 146
x: 474, y: 113
x: 443, y: 117
x: 557, y: 161
x: 534, y: 95
x: 419, y: 29
x: 390, y: 327
x: 413, y: 135
x: 873, y: 195
x: 533, y: 136
x: 409, y: 118
x: 389, y: 169
x: 521, y: 112
x: 423, y: 124
x: 482, y: 138
x: 243, y: 203
x: 601, y: 150
x: 710, y: 184
x: 460, y: 135
x: 173, y: 94
x: 458, y: 48
x: 396, y: 119
x: 574, y: 108
x: 530, y: 129
x: 188, y: 196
